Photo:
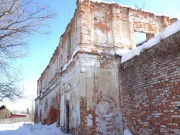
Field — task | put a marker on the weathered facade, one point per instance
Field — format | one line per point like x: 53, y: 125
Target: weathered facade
x: 79, y: 89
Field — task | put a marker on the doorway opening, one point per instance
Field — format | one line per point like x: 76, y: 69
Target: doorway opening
x: 67, y: 117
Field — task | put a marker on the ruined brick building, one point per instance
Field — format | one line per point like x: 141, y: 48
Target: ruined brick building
x: 87, y: 89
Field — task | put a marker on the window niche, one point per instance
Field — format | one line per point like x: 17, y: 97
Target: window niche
x: 69, y: 46
x: 46, y: 105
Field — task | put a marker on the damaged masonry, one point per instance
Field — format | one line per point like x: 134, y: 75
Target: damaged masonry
x: 81, y: 89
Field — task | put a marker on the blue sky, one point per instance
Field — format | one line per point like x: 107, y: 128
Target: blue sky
x: 41, y: 47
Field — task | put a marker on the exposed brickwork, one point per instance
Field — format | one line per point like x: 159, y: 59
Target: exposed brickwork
x: 52, y: 116
x: 44, y: 121
x: 83, y: 115
x: 84, y: 127
x: 150, y: 89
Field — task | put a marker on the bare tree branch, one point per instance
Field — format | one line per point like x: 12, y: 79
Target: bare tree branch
x: 9, y: 86
x: 18, y: 20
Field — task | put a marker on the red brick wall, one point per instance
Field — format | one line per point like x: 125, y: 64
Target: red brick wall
x: 150, y: 89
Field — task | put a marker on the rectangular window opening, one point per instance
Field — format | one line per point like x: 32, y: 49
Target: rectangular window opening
x: 141, y: 37
x: 69, y: 45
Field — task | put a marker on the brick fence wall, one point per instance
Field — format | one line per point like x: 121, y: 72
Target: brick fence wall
x: 150, y: 89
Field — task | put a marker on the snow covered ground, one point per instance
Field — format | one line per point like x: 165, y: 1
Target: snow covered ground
x: 22, y: 128
x: 29, y: 129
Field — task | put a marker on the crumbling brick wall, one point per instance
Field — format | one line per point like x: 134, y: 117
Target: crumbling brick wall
x: 82, y: 66
x: 106, y: 26
x: 150, y: 89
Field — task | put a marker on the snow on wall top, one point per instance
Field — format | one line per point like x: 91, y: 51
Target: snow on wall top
x: 172, y: 29
x: 99, y: 1
x: 107, y: 2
